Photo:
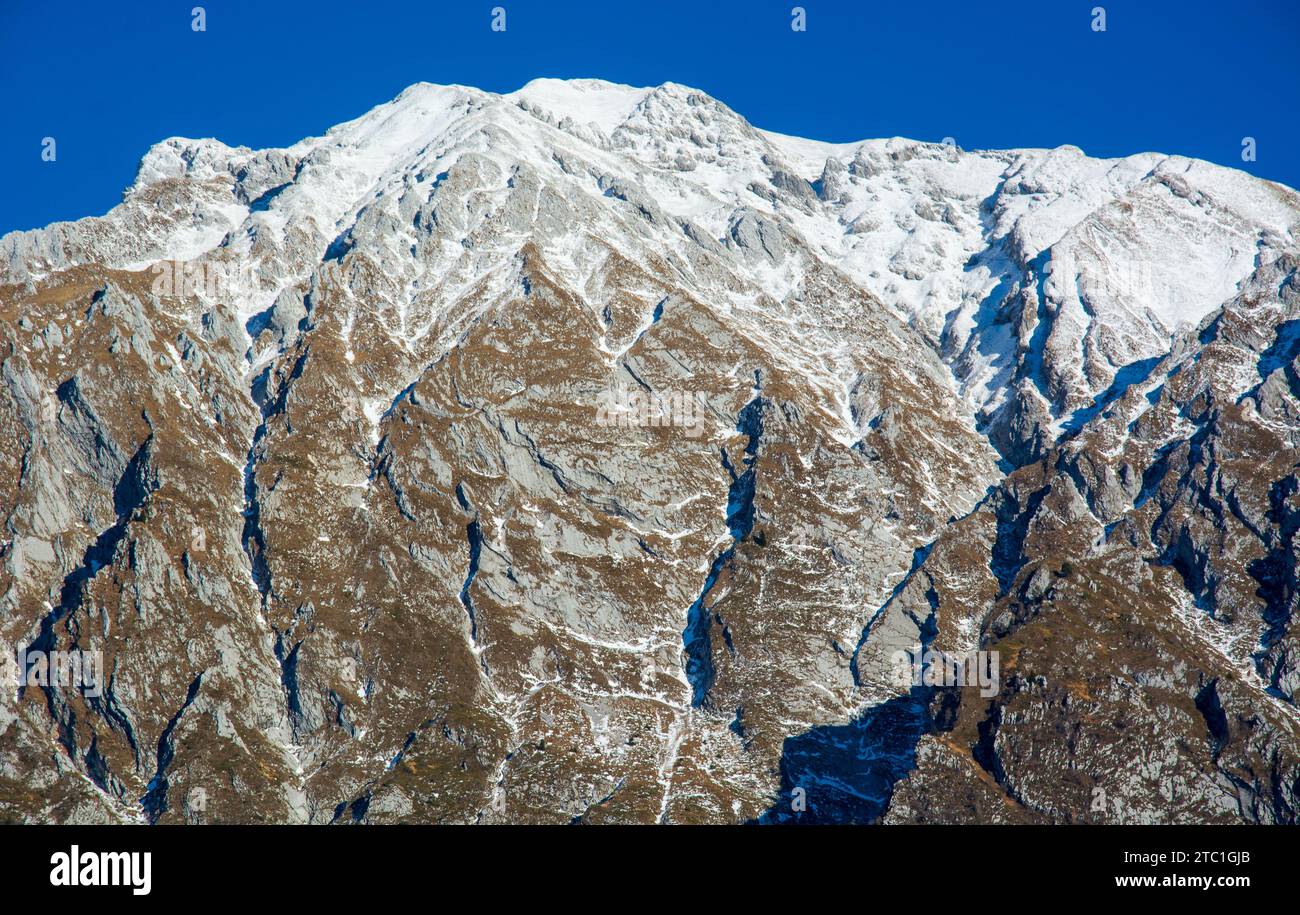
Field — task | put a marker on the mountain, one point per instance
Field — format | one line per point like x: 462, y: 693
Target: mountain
x: 586, y: 454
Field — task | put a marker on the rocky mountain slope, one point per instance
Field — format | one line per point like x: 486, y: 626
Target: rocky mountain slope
x: 585, y: 454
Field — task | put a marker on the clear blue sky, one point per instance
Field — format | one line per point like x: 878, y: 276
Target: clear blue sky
x: 109, y: 79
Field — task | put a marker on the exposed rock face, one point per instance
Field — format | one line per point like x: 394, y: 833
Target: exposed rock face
x: 1144, y: 606
x: 585, y: 454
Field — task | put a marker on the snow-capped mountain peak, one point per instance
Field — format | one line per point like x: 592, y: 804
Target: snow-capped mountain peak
x: 1038, y: 274
x: 590, y: 451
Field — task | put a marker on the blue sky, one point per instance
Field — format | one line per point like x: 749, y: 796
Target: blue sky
x: 107, y: 80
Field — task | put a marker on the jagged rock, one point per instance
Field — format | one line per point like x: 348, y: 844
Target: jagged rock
x: 588, y: 455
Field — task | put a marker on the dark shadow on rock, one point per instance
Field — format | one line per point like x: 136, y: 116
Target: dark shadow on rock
x: 847, y: 772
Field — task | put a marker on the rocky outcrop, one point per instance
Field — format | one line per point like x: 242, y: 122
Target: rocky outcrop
x: 588, y: 455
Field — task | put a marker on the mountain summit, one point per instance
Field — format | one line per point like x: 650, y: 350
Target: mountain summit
x: 587, y: 454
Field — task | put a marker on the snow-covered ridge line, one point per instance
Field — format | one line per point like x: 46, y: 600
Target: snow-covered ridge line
x: 1038, y: 274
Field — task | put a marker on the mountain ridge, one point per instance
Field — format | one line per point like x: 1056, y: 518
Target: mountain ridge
x: 397, y: 512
